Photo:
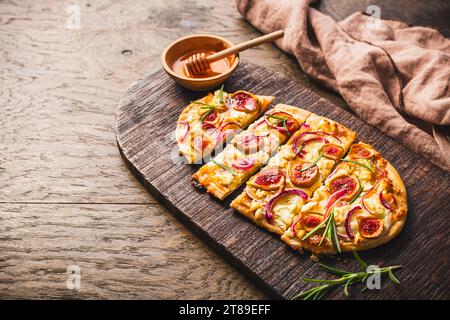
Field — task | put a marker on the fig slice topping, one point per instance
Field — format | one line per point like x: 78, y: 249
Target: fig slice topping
x: 269, y: 179
x: 211, y: 117
x: 249, y: 142
x: 302, y: 174
x: 227, y: 130
x: 359, y: 152
x: 200, y: 143
x: 371, y: 227
x: 311, y: 221
x: 350, y: 184
x: 242, y: 101
x: 333, y: 151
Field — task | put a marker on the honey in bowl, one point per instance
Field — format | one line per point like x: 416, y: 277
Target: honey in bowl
x: 215, y: 68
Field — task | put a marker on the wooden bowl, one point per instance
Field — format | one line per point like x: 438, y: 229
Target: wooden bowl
x: 194, y: 42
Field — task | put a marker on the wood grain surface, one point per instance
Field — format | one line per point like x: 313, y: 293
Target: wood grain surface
x: 60, y: 87
x: 146, y: 121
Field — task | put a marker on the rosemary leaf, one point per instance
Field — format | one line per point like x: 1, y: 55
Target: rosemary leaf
x: 346, y: 280
x: 275, y: 117
x: 286, y: 128
x: 207, y: 113
x: 392, y: 277
x: 205, y: 104
x: 335, y: 271
x: 314, y: 161
x: 224, y: 167
x: 362, y: 264
x: 221, y: 95
x: 358, y: 163
x: 319, y: 226
x: 334, y: 236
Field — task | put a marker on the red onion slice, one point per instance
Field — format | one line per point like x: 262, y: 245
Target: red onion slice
x: 294, y: 231
x: 268, y: 207
x: 333, y: 199
x: 244, y: 164
x: 234, y: 123
x: 305, y: 142
x: 322, y: 133
x: 186, y: 131
x: 364, y: 205
x: 384, y: 203
x: 349, y: 215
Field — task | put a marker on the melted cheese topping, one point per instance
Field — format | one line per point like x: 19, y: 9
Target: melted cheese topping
x: 285, y: 209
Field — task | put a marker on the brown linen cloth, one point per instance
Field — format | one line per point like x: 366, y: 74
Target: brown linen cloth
x: 393, y: 76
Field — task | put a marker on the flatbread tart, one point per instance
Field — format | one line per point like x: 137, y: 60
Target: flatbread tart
x: 317, y: 189
x: 274, y: 196
x: 249, y: 150
x: 209, y: 122
x: 362, y: 204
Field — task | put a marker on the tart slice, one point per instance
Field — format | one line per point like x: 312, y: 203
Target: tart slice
x: 362, y: 204
x: 274, y: 196
x: 208, y: 122
x: 249, y: 150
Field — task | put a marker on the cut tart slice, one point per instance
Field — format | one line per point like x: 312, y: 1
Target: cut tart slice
x: 208, y: 122
x: 361, y: 205
x: 249, y: 150
x: 274, y: 196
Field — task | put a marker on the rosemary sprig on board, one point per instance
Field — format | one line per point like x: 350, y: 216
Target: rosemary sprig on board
x: 347, y: 278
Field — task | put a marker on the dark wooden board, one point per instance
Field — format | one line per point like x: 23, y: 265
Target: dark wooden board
x: 146, y: 121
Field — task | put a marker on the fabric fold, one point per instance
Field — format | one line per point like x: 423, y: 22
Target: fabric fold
x: 393, y: 76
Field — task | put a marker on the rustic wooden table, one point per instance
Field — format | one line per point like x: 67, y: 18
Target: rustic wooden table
x: 66, y: 197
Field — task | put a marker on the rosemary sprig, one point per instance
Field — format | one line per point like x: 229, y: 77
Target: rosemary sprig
x: 314, y: 161
x: 221, y: 95
x: 318, y: 227
x: 207, y: 113
x: 346, y: 279
x: 205, y: 105
x: 224, y: 167
x: 281, y: 120
x: 331, y: 232
x: 275, y: 117
x: 359, y: 163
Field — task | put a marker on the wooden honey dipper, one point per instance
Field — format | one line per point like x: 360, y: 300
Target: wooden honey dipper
x: 199, y: 62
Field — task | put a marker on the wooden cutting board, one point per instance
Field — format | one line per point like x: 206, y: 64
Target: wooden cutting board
x: 146, y: 121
